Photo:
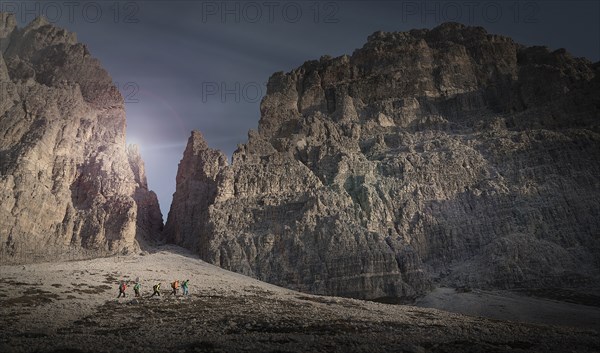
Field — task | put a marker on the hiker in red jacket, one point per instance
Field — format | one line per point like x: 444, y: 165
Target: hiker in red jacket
x: 122, y: 288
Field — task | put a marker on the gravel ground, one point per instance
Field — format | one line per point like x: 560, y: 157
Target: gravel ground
x: 72, y: 307
x: 560, y: 307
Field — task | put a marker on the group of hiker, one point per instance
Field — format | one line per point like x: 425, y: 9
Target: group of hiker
x: 155, y: 288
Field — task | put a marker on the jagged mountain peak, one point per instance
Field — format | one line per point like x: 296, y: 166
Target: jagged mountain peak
x: 425, y: 157
x: 197, y: 142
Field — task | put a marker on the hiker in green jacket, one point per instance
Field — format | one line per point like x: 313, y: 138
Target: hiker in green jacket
x: 136, y: 289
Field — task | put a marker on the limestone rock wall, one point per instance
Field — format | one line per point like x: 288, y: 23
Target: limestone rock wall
x: 447, y: 156
x: 69, y: 185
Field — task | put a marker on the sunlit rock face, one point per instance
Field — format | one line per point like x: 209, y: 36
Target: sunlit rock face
x: 431, y: 157
x: 69, y: 185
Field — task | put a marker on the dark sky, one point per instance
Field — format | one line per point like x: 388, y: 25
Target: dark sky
x: 184, y: 65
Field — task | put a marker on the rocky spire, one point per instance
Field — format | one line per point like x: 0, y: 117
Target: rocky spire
x: 197, y: 187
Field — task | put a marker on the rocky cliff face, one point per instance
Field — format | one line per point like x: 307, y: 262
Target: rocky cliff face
x: 446, y: 156
x: 69, y: 185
